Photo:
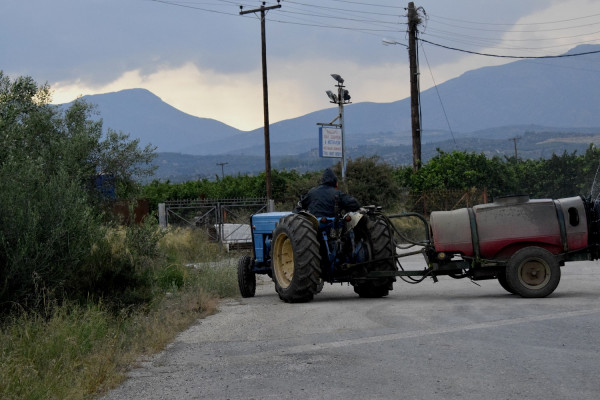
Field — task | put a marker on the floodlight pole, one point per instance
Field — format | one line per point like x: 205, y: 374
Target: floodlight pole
x: 262, y: 10
x: 342, y: 125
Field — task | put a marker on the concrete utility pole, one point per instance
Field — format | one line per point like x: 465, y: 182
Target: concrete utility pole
x: 515, y: 143
x: 413, y: 23
x: 262, y: 10
x: 222, y: 164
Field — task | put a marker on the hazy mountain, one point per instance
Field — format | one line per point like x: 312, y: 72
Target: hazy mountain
x: 558, y: 96
x: 144, y: 115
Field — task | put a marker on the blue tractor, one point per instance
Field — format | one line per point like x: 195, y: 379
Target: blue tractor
x: 301, y: 252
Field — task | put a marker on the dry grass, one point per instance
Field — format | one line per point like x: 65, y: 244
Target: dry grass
x: 81, y: 351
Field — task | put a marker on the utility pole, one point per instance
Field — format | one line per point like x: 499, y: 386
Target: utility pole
x: 514, y: 139
x: 222, y: 164
x: 413, y: 23
x: 262, y: 10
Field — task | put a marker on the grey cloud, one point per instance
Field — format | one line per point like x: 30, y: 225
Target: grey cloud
x: 99, y: 40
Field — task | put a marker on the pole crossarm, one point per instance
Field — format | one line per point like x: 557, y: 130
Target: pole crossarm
x: 262, y: 9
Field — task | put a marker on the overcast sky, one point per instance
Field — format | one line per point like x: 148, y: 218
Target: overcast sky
x: 204, y: 58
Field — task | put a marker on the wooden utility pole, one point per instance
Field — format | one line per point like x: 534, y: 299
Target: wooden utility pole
x: 413, y: 23
x: 262, y: 10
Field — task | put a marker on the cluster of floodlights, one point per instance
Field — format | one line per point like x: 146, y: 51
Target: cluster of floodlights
x: 344, y: 95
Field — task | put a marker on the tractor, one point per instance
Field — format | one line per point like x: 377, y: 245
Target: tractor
x: 301, y: 252
x: 519, y: 241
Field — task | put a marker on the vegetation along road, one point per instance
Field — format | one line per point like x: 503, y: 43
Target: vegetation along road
x: 449, y: 340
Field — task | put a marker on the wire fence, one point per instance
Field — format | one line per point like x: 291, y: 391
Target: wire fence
x: 225, y: 220
x: 445, y: 200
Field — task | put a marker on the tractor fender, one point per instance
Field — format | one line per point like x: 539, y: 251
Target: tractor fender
x: 314, y: 221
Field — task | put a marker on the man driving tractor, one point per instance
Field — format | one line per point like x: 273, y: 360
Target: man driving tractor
x: 322, y: 200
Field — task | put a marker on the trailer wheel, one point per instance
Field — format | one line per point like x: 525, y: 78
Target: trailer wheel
x: 295, y: 259
x: 504, y: 282
x: 533, y: 272
x: 380, y: 237
x: 246, y: 277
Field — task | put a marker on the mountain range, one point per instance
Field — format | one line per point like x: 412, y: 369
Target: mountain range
x: 544, y: 105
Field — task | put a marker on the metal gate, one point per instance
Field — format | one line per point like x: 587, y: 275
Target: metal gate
x: 225, y: 220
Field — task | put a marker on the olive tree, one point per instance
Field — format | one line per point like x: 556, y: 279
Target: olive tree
x: 50, y: 222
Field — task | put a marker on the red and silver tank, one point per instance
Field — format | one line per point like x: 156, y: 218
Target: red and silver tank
x: 498, y: 229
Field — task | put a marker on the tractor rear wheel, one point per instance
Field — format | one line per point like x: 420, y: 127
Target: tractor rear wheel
x: 246, y: 277
x: 533, y: 272
x: 380, y: 238
x: 295, y: 259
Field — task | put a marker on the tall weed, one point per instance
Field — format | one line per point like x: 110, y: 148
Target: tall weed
x: 76, y: 350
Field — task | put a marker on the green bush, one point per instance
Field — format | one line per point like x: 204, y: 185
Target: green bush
x: 51, y: 221
x: 45, y: 235
x: 172, y: 277
x: 372, y: 182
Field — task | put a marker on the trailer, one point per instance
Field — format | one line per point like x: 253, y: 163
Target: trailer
x: 521, y: 242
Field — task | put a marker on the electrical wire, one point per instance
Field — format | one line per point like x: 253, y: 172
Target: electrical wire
x: 368, y: 4
x: 479, y: 33
x: 186, y: 5
x: 435, y: 17
x: 439, y: 97
x: 505, y: 39
x: 362, y: 20
x: 493, y: 45
x: 519, y: 31
x: 508, y: 56
x: 336, y: 9
x: 371, y: 18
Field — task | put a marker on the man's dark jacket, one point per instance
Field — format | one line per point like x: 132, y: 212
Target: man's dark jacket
x: 321, y: 200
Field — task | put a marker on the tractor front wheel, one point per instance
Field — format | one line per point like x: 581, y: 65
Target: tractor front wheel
x: 246, y: 277
x: 295, y: 259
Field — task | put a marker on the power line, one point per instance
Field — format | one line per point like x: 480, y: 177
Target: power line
x: 434, y: 17
x: 368, y: 4
x: 360, y: 30
x: 446, y: 33
x: 336, y: 9
x: 493, y: 43
x: 439, y: 97
x: 341, y: 18
x: 359, y: 17
x: 519, y: 31
x: 505, y: 56
x: 184, y: 5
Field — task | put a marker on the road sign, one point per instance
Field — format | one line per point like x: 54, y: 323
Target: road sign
x: 330, y: 142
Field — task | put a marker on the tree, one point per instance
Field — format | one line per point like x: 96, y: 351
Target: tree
x: 372, y: 182
x: 462, y: 170
x: 49, y: 219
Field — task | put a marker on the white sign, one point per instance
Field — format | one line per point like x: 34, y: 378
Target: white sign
x: 330, y: 142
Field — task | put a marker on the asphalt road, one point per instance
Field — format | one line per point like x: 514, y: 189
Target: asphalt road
x: 447, y: 340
